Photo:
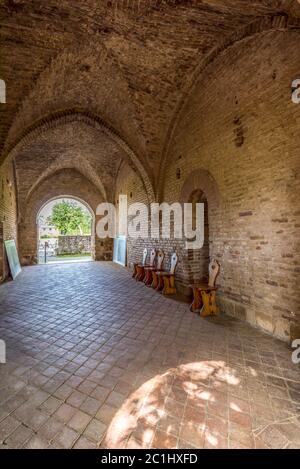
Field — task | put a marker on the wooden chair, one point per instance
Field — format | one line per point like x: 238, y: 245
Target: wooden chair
x: 205, y: 294
x: 209, y: 307
x: 145, y: 253
x: 149, y: 270
x: 140, y: 268
x: 166, y: 280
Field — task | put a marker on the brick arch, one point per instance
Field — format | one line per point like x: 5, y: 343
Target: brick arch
x: 80, y: 165
x: 36, y: 204
x: 85, y: 204
x: 259, y: 26
x: 67, y: 196
x: 58, y: 119
x: 85, y: 77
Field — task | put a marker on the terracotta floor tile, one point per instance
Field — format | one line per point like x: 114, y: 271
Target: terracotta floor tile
x: 84, y: 443
x: 79, y: 421
x: 244, y: 420
x: 164, y: 440
x: 65, y: 412
x: 66, y: 438
x: 95, y: 431
x: 90, y: 406
x: 76, y: 399
x: 193, y: 434
x: 106, y: 413
x: 169, y: 425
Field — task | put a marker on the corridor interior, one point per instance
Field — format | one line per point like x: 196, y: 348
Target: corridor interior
x: 161, y: 101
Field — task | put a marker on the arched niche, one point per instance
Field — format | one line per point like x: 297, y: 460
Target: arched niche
x: 200, y: 187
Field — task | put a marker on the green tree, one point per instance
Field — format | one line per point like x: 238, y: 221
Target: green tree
x: 70, y: 219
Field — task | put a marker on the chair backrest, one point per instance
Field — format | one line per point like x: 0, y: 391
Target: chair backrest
x: 174, y: 260
x: 160, y: 259
x: 145, y: 252
x: 152, y: 257
x: 213, y: 270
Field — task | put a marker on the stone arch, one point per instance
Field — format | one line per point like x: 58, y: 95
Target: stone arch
x: 261, y: 26
x: 201, y: 179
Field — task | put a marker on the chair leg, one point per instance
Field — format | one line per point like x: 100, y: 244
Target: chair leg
x: 140, y: 273
x: 197, y: 300
x: 160, y: 283
x: 154, y: 279
x: 169, y: 285
x: 209, y: 307
x: 134, y: 270
x: 172, y: 285
x: 148, y: 278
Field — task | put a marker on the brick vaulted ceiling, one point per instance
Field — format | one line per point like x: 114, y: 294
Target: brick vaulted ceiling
x: 130, y: 62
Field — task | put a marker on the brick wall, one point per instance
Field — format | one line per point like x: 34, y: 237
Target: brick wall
x: 241, y: 126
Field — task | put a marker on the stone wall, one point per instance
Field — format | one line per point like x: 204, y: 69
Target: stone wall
x: 74, y: 244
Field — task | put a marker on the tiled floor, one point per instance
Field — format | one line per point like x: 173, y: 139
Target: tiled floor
x: 95, y: 359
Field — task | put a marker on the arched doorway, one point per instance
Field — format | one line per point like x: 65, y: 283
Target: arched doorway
x: 65, y: 230
x: 64, y: 183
